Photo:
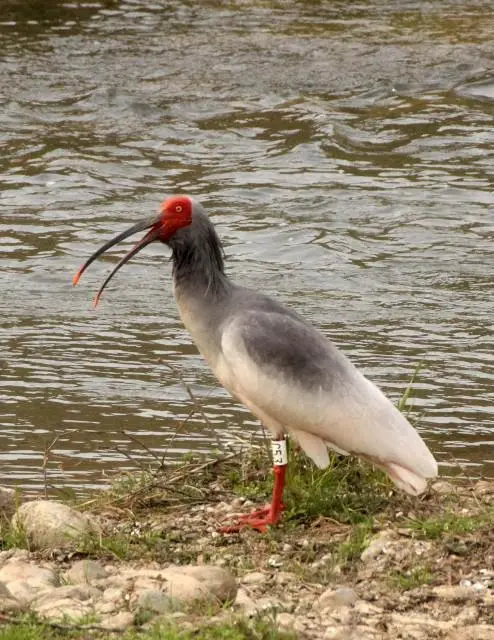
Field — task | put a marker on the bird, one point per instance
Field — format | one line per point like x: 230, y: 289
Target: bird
x: 295, y: 380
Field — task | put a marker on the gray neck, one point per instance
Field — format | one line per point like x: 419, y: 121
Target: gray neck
x: 197, y: 256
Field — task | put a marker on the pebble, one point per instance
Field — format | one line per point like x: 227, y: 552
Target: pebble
x: 377, y: 545
x: 121, y: 620
x: 85, y: 572
x: 256, y: 577
x: 25, y: 580
x: 335, y: 598
x: 455, y: 593
x: 154, y: 601
x: 285, y: 620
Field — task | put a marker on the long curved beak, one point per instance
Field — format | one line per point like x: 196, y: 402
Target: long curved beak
x: 150, y: 236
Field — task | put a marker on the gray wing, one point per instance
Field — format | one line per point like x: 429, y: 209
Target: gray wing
x: 287, y: 347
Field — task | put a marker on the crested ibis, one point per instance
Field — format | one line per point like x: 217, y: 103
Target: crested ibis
x: 296, y: 381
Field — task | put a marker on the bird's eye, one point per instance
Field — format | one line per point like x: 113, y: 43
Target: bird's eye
x: 178, y: 208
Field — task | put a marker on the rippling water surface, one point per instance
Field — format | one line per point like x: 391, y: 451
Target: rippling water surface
x: 345, y: 152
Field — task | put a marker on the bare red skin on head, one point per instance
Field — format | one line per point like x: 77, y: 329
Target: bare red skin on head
x: 176, y: 212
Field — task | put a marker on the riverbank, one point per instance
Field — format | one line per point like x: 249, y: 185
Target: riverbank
x: 351, y: 559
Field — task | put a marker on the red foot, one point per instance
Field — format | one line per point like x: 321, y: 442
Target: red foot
x: 259, y: 519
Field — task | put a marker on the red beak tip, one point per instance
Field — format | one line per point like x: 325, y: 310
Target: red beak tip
x: 75, y: 278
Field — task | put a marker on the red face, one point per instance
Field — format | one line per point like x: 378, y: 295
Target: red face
x: 176, y: 212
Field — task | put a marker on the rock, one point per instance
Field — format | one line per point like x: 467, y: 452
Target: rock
x: 456, y: 593
x: 443, y: 487
x: 184, y: 590
x: 4, y: 592
x: 285, y: 621
x: 353, y: 632
x: 473, y: 632
x: 51, y: 525
x: 218, y: 581
x: 85, y: 572
x: 377, y: 545
x: 122, y: 620
x: 13, y: 553
x: 154, y: 601
x: 180, y: 586
x: 245, y: 603
x: 285, y: 577
x: 8, y: 501
x: 67, y: 601
x: 67, y: 608
x: 334, y: 598
x: 256, y: 577
x: 25, y: 580
x: 484, y: 487
x: 8, y: 604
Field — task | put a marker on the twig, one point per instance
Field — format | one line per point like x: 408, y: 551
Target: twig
x: 141, y: 444
x: 177, y: 431
x: 196, y: 403
x: 46, y: 453
x: 129, y: 457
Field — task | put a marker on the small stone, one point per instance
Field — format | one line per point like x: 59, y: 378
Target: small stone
x: 113, y: 594
x: 154, y: 601
x: 364, y: 608
x: 4, y: 592
x: 121, y: 620
x: 245, y: 603
x: 443, y: 487
x: 284, y: 577
x: 85, y: 572
x: 275, y: 561
x: 216, y: 580
x: 50, y: 525
x: 25, y: 580
x: 484, y: 487
x: 67, y: 608
x: 377, y: 545
x: 285, y: 620
x: 70, y: 593
x: 455, y: 593
x: 256, y: 577
x: 335, y: 598
x: 472, y: 632
x: 10, y: 605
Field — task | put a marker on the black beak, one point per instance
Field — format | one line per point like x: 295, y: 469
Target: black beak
x: 151, y: 236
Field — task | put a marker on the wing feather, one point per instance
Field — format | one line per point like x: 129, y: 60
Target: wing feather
x: 288, y: 373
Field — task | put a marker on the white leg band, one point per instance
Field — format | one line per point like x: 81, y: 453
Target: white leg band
x: 280, y: 457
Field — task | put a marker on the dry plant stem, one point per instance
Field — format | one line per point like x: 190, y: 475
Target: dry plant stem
x: 196, y: 403
x: 131, y: 458
x: 46, y: 459
x: 141, y: 444
x: 174, y: 436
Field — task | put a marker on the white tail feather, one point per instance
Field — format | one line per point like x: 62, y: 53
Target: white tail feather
x: 313, y: 446
x: 404, y: 479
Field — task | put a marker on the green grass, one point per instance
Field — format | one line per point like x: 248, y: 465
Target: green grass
x: 449, y: 524
x: 12, y: 537
x: 406, y: 580
x: 29, y: 628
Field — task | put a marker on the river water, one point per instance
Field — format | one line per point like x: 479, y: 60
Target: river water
x: 343, y: 149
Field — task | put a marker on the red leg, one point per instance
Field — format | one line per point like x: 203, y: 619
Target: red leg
x: 268, y: 515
